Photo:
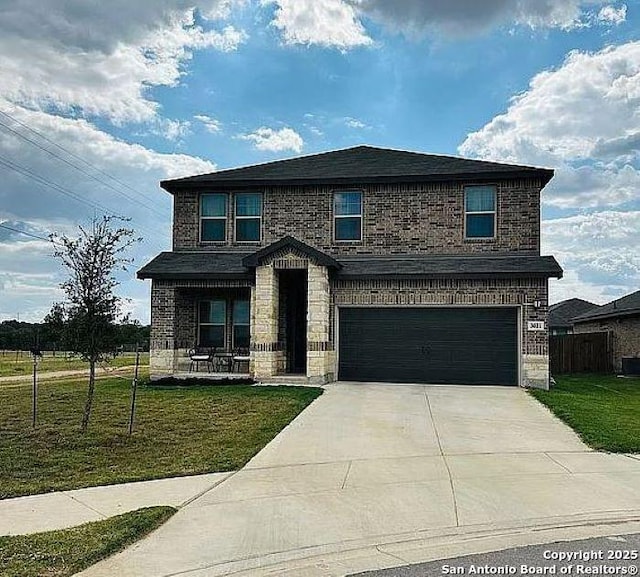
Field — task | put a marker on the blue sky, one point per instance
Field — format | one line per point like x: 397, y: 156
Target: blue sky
x: 131, y: 93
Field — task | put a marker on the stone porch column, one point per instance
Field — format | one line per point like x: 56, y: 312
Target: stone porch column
x: 266, y: 353
x: 535, y: 341
x: 320, y: 353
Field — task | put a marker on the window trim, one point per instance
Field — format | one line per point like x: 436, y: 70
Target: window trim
x: 494, y: 212
x: 236, y: 218
x: 336, y: 216
x: 225, y: 218
x: 223, y: 325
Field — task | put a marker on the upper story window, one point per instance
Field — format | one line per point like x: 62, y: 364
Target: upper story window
x: 480, y: 211
x: 213, y: 217
x: 248, y: 216
x: 347, y: 213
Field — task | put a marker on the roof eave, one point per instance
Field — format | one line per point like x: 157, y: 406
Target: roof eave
x: 466, y: 275
x: 201, y: 183
x: 142, y: 275
x: 608, y: 315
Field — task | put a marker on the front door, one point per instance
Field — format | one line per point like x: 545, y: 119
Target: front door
x: 293, y: 300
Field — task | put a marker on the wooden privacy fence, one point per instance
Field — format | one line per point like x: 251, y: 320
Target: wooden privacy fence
x: 580, y: 353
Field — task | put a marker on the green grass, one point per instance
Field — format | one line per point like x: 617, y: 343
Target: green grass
x: 604, y: 410
x: 178, y: 431
x: 11, y: 365
x: 68, y: 551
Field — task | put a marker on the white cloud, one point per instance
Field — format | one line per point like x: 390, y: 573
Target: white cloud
x: 613, y: 15
x: 332, y: 23
x: 600, y: 253
x: 29, y: 276
x: 466, y: 17
x: 339, y: 23
x: 582, y: 118
x: 355, y: 123
x: 173, y: 130
x: 211, y: 124
x: 102, y: 60
x: 273, y: 140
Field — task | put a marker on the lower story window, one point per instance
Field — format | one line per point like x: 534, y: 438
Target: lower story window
x: 212, y: 321
x: 241, y: 323
x: 214, y: 324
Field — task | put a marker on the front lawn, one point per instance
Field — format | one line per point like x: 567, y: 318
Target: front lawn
x: 12, y: 364
x: 603, y: 409
x: 68, y: 551
x: 178, y: 431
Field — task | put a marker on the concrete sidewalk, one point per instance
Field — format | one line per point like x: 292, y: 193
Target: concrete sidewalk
x: 60, y: 510
x: 371, y: 476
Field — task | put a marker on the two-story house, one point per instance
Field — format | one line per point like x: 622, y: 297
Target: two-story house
x: 362, y: 264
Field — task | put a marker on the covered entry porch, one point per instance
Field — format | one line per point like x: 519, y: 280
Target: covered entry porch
x: 271, y: 307
x: 292, y: 324
x: 199, y: 319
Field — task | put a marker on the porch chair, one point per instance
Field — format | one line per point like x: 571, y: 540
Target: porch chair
x: 200, y: 355
x: 241, y: 355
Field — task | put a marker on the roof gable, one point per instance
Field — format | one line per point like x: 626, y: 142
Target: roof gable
x: 562, y: 313
x: 360, y: 165
x: 291, y: 243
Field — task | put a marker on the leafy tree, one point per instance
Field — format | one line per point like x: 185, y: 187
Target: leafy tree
x: 53, y: 327
x: 88, y: 317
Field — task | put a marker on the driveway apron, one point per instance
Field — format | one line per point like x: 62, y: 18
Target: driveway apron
x: 367, y: 463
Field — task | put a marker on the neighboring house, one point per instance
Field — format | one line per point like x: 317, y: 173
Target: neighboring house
x: 359, y: 264
x: 562, y: 313
x: 621, y: 318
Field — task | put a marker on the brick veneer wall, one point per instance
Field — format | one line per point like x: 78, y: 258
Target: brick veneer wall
x: 174, y: 317
x: 625, y: 333
x: 174, y: 320
x: 403, y: 218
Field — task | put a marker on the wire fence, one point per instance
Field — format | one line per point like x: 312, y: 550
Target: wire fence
x: 50, y: 350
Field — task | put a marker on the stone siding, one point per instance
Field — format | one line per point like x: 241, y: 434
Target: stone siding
x: 268, y: 357
x: 397, y: 219
x: 625, y: 336
x: 320, y: 351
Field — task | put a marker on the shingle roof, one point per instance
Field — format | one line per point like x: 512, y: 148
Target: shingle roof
x: 625, y: 306
x: 204, y: 264
x: 562, y: 313
x: 359, y: 165
x: 446, y: 266
x: 196, y: 265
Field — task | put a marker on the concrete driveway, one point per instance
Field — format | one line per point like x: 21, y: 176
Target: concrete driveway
x: 369, y: 467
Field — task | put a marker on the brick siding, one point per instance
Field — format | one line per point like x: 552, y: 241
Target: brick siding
x: 404, y: 218
x: 174, y: 308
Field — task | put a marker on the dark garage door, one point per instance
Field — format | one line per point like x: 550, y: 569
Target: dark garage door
x: 474, y: 346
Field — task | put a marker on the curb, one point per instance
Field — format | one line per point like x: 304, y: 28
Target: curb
x: 384, y: 552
